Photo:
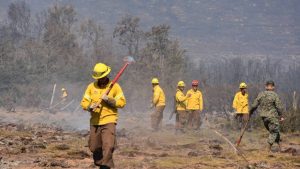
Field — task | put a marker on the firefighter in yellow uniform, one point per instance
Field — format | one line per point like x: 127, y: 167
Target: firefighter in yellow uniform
x: 103, y: 117
x: 181, y: 115
x: 194, y: 106
x: 64, y: 94
x: 159, y: 102
x: 240, y: 105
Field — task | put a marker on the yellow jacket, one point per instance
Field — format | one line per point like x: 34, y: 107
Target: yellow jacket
x: 159, y: 98
x: 108, y: 114
x: 64, y: 94
x: 240, y: 103
x: 195, y: 101
x: 180, y: 100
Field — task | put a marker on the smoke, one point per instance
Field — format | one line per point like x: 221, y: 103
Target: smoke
x: 65, y: 120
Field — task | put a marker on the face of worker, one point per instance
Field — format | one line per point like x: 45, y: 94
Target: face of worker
x: 181, y: 88
x: 103, y: 81
x: 270, y: 87
x: 153, y: 85
x: 244, y: 90
x: 195, y: 87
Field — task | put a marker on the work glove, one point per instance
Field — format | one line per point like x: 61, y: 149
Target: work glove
x: 110, y: 101
x: 92, y: 107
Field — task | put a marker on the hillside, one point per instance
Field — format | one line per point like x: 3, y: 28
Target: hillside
x: 205, y: 28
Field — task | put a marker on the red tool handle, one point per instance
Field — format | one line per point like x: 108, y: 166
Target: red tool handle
x: 112, y: 84
x: 117, y: 77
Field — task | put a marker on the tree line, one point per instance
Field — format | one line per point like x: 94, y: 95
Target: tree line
x: 55, y: 46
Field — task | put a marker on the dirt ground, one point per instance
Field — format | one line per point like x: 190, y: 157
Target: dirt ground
x: 26, y: 143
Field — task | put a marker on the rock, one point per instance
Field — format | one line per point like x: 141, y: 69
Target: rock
x: 193, y: 154
x: 61, y: 164
x: 215, y: 141
x: 216, y: 147
x: 131, y: 154
x: 10, y: 143
x: 262, y: 164
x: 62, y: 147
x: 250, y: 166
x: 39, y: 145
x: 26, y: 140
x: 163, y: 155
x: 271, y: 155
x: 38, y: 160
x: 190, y: 146
x: 151, y: 142
x: 23, y: 150
x: 43, y: 164
x: 39, y: 134
x: 79, y: 154
x: 57, y: 138
x: 66, y: 137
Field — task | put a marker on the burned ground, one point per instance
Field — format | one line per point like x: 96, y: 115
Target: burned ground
x: 43, y: 145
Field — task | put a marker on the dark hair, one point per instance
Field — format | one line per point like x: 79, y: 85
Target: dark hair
x: 270, y: 82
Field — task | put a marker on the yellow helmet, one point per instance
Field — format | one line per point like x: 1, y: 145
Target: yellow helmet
x: 155, y: 81
x: 101, y: 70
x: 180, y: 84
x: 243, y: 85
x: 63, y: 89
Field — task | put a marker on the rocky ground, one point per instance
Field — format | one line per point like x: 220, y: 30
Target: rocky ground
x: 42, y: 145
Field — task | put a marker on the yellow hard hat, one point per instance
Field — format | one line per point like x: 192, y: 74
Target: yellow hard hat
x: 155, y: 81
x: 101, y: 70
x: 63, y: 89
x: 243, y: 85
x: 180, y: 84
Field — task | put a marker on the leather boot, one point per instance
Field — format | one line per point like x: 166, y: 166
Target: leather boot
x: 104, y: 167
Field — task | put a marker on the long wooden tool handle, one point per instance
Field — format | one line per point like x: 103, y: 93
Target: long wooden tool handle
x: 117, y: 78
x: 242, y: 134
x: 120, y: 73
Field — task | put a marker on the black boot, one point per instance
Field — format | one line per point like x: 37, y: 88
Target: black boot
x: 104, y: 167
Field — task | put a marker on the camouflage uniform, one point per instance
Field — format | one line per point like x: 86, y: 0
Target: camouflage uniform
x: 270, y: 108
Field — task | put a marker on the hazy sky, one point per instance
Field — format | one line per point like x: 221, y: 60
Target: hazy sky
x: 205, y: 27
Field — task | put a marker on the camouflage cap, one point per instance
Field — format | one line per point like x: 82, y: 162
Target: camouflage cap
x: 270, y: 82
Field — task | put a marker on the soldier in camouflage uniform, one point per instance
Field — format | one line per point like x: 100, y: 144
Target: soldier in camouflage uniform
x: 270, y: 108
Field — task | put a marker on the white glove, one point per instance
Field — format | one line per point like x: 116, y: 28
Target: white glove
x: 104, y: 97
